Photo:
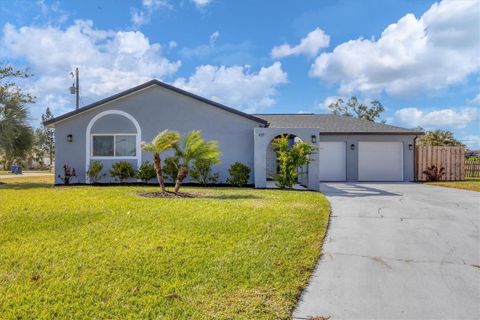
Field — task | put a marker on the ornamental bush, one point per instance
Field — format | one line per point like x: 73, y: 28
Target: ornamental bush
x: 289, y: 159
x: 146, y: 172
x: 122, y: 171
x: 94, y: 171
x: 239, y: 174
x: 170, y: 168
x: 201, y: 172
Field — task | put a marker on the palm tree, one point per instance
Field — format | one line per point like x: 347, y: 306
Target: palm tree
x: 162, y: 142
x: 194, y: 149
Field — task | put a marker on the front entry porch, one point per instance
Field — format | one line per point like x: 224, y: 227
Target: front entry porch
x: 265, y: 161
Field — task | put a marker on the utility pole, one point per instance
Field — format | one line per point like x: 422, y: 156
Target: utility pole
x: 75, y: 88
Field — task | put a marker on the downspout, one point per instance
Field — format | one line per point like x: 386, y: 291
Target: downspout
x: 415, y: 169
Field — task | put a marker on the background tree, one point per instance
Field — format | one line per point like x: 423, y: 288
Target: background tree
x: 162, y: 142
x: 37, y: 153
x: 194, y: 149
x: 438, y: 138
x: 46, y: 137
x: 16, y: 136
x: 353, y: 108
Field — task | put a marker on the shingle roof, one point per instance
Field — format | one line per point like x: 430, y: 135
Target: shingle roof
x: 333, y: 124
x: 146, y: 85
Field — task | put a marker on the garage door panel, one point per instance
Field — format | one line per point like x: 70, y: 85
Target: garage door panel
x: 380, y: 161
x: 332, y: 161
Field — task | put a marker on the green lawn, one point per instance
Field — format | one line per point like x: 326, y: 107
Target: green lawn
x: 105, y: 253
x: 472, y: 184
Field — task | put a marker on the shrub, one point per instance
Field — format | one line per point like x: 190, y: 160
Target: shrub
x: 201, y: 172
x: 94, y: 171
x: 170, y: 168
x: 433, y: 173
x: 239, y: 174
x: 289, y: 159
x: 68, y: 174
x: 122, y: 171
x: 146, y: 172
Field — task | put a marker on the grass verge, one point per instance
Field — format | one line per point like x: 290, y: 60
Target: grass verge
x: 472, y: 184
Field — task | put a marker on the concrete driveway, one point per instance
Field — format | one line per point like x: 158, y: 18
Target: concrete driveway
x: 397, y: 251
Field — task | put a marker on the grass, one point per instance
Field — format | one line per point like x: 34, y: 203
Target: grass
x: 8, y: 173
x: 105, y: 253
x: 472, y: 184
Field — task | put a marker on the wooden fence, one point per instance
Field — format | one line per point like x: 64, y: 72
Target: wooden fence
x: 450, y: 158
x: 472, y: 168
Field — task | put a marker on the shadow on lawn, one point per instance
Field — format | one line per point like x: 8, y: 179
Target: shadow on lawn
x: 23, y: 186
x: 232, y: 196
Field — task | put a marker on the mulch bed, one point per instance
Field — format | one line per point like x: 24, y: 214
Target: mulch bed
x: 168, y: 195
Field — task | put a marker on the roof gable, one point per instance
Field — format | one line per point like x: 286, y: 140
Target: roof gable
x: 144, y: 86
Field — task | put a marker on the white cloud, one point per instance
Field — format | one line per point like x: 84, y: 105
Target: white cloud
x: 413, y: 117
x: 50, y: 12
x: 109, y: 61
x: 309, y: 46
x: 476, y: 99
x: 412, y: 55
x: 236, y: 86
x: 172, y: 45
x: 201, y: 3
x: 144, y: 15
x: 472, y: 141
x: 213, y: 37
x: 323, y: 106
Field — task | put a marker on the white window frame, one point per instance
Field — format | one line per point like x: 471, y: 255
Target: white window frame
x: 88, y: 140
x: 114, y: 157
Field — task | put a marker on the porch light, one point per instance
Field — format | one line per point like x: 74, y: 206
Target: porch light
x: 314, y: 139
x: 410, y: 146
x: 352, y: 146
x: 69, y: 138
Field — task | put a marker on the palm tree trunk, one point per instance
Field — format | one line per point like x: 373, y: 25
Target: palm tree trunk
x: 157, y: 163
x: 182, y: 174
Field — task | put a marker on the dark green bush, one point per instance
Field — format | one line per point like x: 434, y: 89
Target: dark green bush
x: 201, y: 172
x: 239, y: 174
x: 94, y: 171
x: 146, y: 172
x: 122, y: 171
x: 170, y: 168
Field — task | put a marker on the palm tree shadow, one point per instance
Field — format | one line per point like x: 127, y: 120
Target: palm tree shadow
x: 232, y: 196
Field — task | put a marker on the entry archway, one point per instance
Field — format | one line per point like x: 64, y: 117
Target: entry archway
x: 265, y: 158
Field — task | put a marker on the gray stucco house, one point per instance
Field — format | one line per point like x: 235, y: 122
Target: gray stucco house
x: 348, y: 149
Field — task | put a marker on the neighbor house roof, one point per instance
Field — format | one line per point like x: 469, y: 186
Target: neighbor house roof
x: 333, y: 124
x: 144, y: 86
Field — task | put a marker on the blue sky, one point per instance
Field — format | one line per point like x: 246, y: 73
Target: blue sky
x: 419, y: 58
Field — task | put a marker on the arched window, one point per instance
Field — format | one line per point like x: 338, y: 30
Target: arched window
x: 113, y: 134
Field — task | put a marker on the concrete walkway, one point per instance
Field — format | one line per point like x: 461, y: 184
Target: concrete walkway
x: 397, y: 251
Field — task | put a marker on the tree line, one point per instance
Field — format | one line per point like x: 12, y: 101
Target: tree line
x: 18, y: 140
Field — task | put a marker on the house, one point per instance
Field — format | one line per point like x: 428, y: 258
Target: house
x: 111, y: 130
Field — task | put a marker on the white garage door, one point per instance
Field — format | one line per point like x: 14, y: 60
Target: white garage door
x: 380, y: 161
x: 332, y: 159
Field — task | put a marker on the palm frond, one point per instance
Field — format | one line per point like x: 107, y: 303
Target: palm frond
x: 163, y: 141
x: 195, y: 148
